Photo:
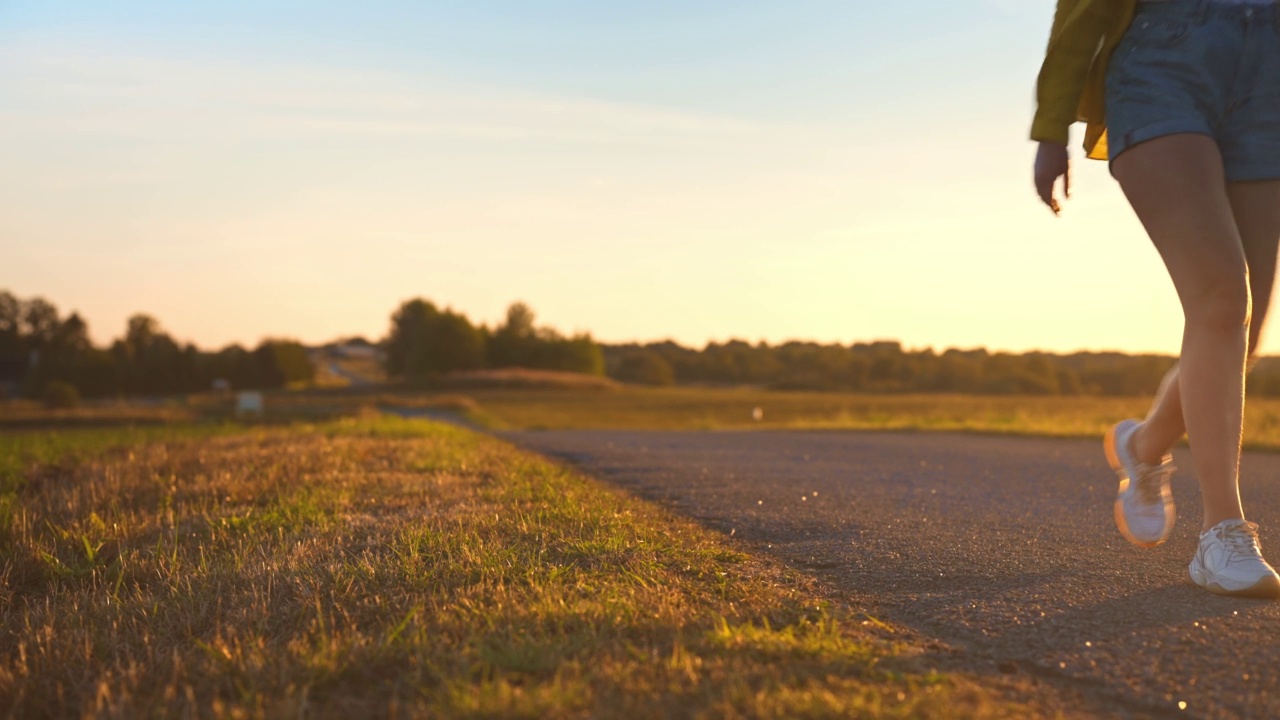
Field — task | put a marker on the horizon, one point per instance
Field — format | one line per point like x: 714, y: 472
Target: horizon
x: 699, y: 173
x: 379, y: 339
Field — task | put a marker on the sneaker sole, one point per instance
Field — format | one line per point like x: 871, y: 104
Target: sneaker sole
x: 1113, y: 459
x: 1268, y: 588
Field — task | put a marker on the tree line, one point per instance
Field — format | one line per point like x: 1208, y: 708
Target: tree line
x: 426, y: 341
x: 44, y: 354
x: 40, y: 348
x: 886, y: 367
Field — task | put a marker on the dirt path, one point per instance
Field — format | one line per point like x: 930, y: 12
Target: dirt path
x: 1003, y: 549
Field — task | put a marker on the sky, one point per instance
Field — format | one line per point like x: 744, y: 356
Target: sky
x: 827, y: 170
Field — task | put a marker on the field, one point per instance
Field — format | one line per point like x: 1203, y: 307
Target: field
x: 528, y: 400
x: 373, y: 566
x: 524, y: 400
x: 721, y: 409
x: 731, y: 409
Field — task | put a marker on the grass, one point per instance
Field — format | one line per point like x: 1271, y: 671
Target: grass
x: 24, y: 414
x: 383, y: 567
x: 512, y: 378
x: 732, y: 408
x: 23, y: 454
x: 573, y: 405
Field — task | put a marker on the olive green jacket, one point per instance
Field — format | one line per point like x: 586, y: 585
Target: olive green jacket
x: 1072, y: 84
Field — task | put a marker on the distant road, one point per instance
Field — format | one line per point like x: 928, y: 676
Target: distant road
x: 355, y: 379
x: 1003, y: 549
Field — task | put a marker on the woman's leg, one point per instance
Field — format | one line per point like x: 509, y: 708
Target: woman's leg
x: 1176, y: 186
x: 1256, y: 209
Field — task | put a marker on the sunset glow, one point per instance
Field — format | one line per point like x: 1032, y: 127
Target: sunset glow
x: 817, y: 170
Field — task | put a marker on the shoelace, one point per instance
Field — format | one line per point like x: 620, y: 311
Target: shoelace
x: 1241, y: 538
x: 1151, y: 480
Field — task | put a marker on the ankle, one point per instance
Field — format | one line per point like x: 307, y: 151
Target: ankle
x: 1140, y: 450
x: 1212, y: 521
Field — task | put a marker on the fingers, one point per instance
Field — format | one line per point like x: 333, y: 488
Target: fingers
x: 1052, y: 163
x: 1044, y: 187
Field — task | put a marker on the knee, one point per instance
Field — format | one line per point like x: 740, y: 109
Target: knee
x: 1224, y: 305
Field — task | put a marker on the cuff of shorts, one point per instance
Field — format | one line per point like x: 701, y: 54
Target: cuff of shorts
x: 1251, y: 172
x: 1118, y: 143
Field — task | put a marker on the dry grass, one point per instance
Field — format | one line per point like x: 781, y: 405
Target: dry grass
x: 449, y: 402
x: 716, y: 409
x: 378, y: 567
x: 608, y: 406
x: 732, y: 408
x: 25, y: 413
x: 524, y: 378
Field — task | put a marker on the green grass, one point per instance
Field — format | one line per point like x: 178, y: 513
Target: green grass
x: 376, y: 567
x: 27, y: 453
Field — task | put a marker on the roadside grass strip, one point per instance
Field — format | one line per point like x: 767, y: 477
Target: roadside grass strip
x: 380, y: 567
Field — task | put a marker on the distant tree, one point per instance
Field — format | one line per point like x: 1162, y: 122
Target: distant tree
x: 738, y: 362
x: 410, y: 327
x: 96, y: 374
x: 236, y: 365
x: 281, y: 363
x: 515, y: 342
x: 72, y: 335
x: 645, y: 367
x: 39, y: 323
x: 957, y: 372
x: 10, y: 324
x: 1069, y: 381
x: 453, y: 344
x: 1037, y: 376
x: 577, y: 354
x: 425, y: 341
x: 151, y: 362
x: 886, y: 367
x: 520, y: 320
x: 141, y: 332
x: 67, y: 354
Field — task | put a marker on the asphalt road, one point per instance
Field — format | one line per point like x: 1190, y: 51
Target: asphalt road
x: 1003, y: 550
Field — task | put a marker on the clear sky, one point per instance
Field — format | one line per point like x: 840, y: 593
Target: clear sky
x: 831, y: 170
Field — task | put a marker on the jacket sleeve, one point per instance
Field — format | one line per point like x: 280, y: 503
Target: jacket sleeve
x: 1079, y: 27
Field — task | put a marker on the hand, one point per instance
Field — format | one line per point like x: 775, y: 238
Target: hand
x: 1051, y: 164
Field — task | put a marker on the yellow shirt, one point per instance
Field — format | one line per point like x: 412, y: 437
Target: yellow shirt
x: 1072, y: 84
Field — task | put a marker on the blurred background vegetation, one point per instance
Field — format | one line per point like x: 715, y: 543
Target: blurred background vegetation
x: 43, y: 353
x: 47, y: 356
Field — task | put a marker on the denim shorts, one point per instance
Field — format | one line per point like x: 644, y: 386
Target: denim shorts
x: 1196, y: 66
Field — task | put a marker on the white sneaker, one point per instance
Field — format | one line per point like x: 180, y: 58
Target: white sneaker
x: 1229, y: 562
x: 1144, y: 506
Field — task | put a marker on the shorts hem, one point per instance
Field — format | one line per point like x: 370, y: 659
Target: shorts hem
x: 1256, y: 174
x: 1117, y: 144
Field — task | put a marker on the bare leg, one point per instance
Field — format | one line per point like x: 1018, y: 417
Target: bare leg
x: 1176, y: 186
x: 1163, y: 427
x: 1256, y: 208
